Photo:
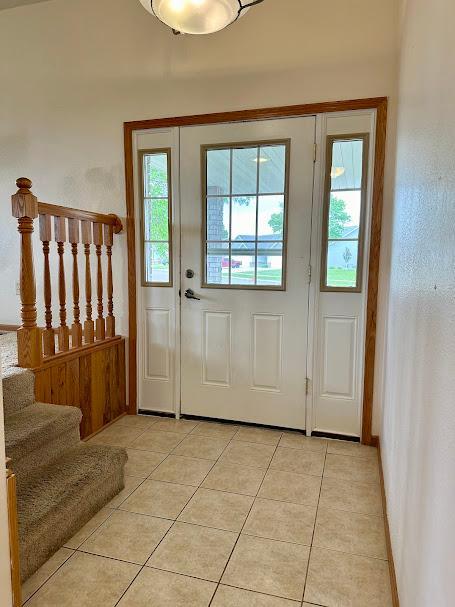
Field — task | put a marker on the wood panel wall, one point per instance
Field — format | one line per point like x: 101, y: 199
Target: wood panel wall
x: 91, y: 378
x: 13, y: 532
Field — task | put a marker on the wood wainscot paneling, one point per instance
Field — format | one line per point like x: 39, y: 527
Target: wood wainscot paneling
x: 13, y: 532
x: 91, y: 377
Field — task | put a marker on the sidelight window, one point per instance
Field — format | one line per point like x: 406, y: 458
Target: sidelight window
x: 156, y: 217
x: 344, y: 213
x: 245, y: 205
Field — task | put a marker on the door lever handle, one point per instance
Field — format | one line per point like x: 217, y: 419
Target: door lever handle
x: 189, y: 294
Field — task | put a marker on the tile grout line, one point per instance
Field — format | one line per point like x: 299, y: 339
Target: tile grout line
x: 314, y: 527
x: 52, y: 574
x: 244, y: 522
x: 75, y: 550
x: 173, y: 523
x: 197, y: 487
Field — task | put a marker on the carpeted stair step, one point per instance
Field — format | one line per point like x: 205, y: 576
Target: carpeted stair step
x: 18, y: 383
x: 37, y: 435
x: 63, y: 496
x: 18, y: 390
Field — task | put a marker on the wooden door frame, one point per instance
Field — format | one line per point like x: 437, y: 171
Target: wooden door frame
x: 375, y: 103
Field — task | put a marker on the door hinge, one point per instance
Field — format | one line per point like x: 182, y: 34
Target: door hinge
x: 315, y: 151
x: 307, y: 385
x: 309, y: 274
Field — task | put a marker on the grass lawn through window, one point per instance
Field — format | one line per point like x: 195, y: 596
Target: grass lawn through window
x: 341, y: 277
x: 266, y: 276
x: 337, y: 277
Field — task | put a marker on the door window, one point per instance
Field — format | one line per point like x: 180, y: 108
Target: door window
x: 245, y: 205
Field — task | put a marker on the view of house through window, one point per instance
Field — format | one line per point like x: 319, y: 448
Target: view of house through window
x: 156, y: 218
x: 245, y: 200
x: 344, y: 214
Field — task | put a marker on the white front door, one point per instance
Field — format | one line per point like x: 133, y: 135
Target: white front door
x: 246, y: 193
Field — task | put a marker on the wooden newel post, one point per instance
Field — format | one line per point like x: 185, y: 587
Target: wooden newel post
x: 25, y: 209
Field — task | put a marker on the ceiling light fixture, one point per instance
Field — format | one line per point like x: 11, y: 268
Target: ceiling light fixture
x: 198, y: 16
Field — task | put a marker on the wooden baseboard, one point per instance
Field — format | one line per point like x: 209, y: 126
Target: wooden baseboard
x: 374, y: 441
x: 8, y: 328
x: 13, y: 539
x: 393, y: 578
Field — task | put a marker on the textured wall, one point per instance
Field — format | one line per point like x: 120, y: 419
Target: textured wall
x: 418, y: 430
x: 72, y: 72
x: 12, y: 3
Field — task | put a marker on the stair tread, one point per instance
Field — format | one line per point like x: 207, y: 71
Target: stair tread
x: 65, y: 479
x: 18, y: 389
x: 35, y: 425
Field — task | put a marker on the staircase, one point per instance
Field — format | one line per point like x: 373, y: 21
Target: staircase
x: 61, y: 481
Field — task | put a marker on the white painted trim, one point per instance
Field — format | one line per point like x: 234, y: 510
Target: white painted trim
x: 174, y: 362
x: 315, y: 261
x: 316, y: 252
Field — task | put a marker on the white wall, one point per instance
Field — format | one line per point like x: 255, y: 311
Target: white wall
x: 418, y: 428
x: 72, y: 71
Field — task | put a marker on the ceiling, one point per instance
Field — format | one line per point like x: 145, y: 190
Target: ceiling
x: 12, y: 3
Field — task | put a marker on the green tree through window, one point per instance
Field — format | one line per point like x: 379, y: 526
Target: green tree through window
x: 158, y: 228
x: 338, y: 217
x: 276, y: 221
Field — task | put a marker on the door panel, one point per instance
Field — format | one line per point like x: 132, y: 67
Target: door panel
x: 244, y: 344
x: 158, y: 270
x: 341, y: 273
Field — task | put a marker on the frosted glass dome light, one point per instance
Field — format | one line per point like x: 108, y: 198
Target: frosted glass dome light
x: 198, y: 16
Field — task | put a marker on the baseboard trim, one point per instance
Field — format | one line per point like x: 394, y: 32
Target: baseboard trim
x: 9, y: 328
x: 393, y: 578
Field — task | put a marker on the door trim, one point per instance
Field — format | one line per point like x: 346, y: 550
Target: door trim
x: 377, y: 103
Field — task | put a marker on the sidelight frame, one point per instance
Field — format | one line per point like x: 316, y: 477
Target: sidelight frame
x: 141, y: 155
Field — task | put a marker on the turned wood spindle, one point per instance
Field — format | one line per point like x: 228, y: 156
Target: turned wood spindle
x: 89, y: 325
x: 76, y: 327
x: 98, y: 240
x: 110, y: 319
x: 60, y: 237
x: 25, y: 208
x: 48, y: 333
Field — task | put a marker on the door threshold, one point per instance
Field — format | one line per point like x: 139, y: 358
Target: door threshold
x: 239, y: 423
x: 155, y: 413
x: 315, y: 434
x: 345, y: 437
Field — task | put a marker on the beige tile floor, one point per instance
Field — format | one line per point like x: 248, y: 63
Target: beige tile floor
x: 227, y: 516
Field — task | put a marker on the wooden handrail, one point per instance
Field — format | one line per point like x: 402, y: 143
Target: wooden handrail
x: 46, y: 208
x: 60, y: 225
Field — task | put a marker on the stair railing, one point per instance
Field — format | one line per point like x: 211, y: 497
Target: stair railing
x: 65, y: 226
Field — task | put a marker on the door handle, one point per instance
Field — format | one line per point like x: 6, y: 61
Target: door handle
x: 189, y: 294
